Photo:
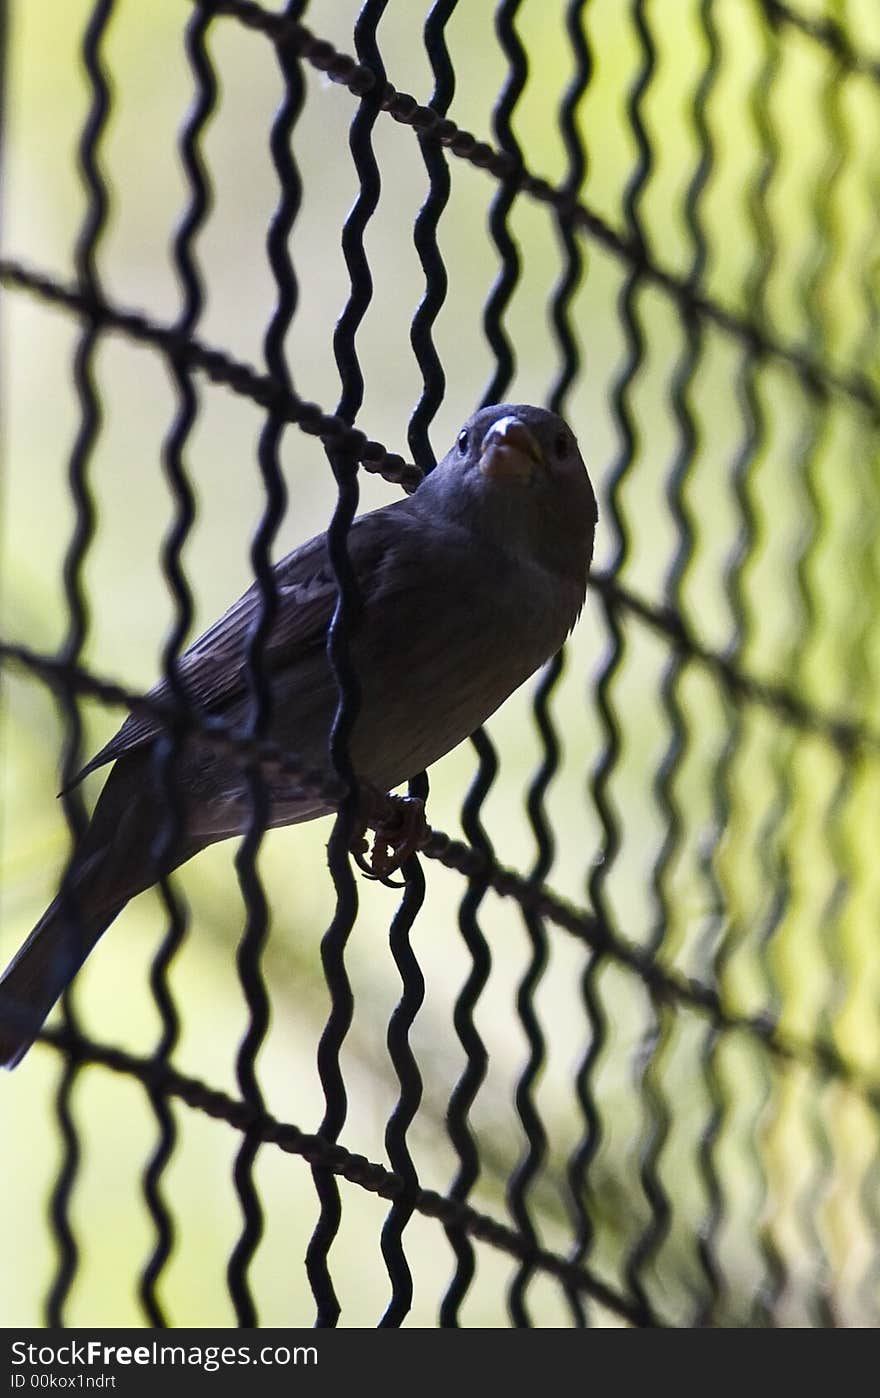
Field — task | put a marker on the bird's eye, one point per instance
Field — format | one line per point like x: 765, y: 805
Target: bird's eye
x: 560, y: 446
x: 463, y: 440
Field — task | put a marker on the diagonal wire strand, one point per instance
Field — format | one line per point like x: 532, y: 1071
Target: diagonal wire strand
x: 667, y: 986
x: 589, y: 927
x: 852, y: 736
x: 816, y: 378
x: 322, y: 1153
x: 826, y: 31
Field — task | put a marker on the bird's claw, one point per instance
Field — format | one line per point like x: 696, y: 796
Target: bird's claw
x: 398, y: 834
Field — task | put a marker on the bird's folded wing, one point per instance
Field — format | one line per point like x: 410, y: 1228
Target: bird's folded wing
x: 213, y: 670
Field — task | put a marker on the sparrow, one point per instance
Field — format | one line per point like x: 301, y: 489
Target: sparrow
x: 466, y: 587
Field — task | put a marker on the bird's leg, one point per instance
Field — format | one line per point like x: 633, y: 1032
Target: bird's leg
x: 399, y: 826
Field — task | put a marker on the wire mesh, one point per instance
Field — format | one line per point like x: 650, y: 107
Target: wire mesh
x: 629, y: 996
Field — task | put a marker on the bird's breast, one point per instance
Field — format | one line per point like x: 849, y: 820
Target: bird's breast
x: 431, y: 674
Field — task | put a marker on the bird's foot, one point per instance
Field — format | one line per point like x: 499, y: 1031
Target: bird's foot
x: 399, y: 827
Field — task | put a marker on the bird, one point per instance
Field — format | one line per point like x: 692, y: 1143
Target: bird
x: 466, y: 587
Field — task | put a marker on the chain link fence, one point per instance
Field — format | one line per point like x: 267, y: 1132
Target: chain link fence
x: 629, y: 985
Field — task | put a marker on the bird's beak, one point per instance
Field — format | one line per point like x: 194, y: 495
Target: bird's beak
x: 510, y: 452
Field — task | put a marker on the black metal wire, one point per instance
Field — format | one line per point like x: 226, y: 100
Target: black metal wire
x: 334, y: 941
x: 195, y: 37
x: 820, y: 1303
x: 612, y: 511
x: 718, y: 944
x: 775, y: 868
x: 587, y: 927
x: 468, y: 1085
x: 672, y: 994
x: 427, y: 246
x: 863, y: 678
x: 410, y: 1083
x: 852, y: 736
x: 318, y: 1151
x: 755, y: 420
x: 657, y: 1037
x: 682, y: 386
x: 345, y: 472
x: 90, y: 422
x: 433, y: 389
x: 573, y: 260
x: 220, y: 367
x: 648, y: 1056
x: 465, y: 1092
x: 826, y: 31
x: 841, y: 731
x: 497, y: 304
x: 402, y: 1019
x: 466, y: 1089
x: 257, y: 912
x: 817, y: 379
x: 562, y: 307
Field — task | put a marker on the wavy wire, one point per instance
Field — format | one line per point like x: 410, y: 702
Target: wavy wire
x: 775, y: 848
x: 335, y: 1158
x: 426, y: 244
x: 344, y: 466
x: 684, y: 373
x: 773, y: 1261
x: 425, y: 236
x: 644, y: 1247
x: 570, y: 363
x: 90, y: 424
x: 665, y: 776
x: 683, y: 380
x: 822, y: 1304
x: 168, y: 748
x: 718, y: 950
x: 433, y: 388
x: 864, y: 677
x: 468, y: 1085
x: 412, y: 982
x: 785, y: 1048
x: 260, y: 696
x: 817, y: 379
x: 497, y: 304
x: 853, y: 737
x: 618, y: 526
x: 410, y: 1082
x: 562, y: 307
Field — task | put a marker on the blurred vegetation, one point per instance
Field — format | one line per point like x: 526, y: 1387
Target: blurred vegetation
x: 753, y: 855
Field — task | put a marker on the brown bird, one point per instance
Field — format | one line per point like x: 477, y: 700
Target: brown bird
x: 467, y: 587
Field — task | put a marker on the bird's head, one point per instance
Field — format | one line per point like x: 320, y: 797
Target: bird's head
x: 516, y: 476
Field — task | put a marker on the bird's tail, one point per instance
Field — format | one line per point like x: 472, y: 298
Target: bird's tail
x: 113, y: 863
x: 44, y: 967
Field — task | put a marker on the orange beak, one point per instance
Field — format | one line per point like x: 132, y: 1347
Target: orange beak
x: 510, y: 452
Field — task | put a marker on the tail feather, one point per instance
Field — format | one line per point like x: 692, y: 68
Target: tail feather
x: 113, y: 863
x: 42, y: 969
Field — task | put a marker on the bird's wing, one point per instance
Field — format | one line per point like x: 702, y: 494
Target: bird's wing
x: 213, y: 669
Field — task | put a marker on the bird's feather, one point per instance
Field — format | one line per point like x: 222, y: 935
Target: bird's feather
x: 214, y: 669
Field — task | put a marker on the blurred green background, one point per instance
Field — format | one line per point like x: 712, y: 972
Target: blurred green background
x: 756, y: 857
